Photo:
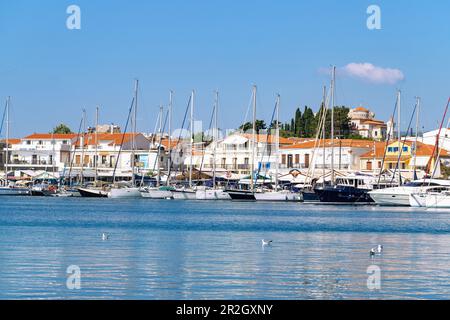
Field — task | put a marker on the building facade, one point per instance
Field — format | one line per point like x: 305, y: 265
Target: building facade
x: 364, y: 123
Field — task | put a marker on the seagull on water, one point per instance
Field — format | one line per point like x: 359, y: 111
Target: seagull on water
x: 266, y: 242
x: 379, y: 249
x: 105, y: 236
x: 372, y: 252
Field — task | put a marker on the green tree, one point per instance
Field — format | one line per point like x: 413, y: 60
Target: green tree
x: 259, y: 124
x: 62, y: 128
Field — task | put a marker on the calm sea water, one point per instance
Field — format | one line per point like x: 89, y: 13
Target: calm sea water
x: 212, y: 250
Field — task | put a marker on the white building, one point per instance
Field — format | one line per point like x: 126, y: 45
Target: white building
x: 50, y: 152
x: 430, y: 138
x: 313, y: 153
x: 234, y: 154
x: 363, y: 121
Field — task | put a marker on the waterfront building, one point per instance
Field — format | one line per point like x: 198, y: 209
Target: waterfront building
x: 234, y: 154
x: 364, y: 123
x: 409, y: 154
x: 41, y: 151
x: 318, y: 154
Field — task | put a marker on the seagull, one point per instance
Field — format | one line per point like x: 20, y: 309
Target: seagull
x: 379, y: 249
x: 372, y: 252
x: 105, y: 236
x: 266, y: 242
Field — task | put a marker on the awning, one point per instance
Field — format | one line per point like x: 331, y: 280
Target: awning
x: 235, y: 139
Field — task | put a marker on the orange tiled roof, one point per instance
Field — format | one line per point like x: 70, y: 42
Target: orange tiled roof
x: 377, y: 122
x: 328, y: 143
x: 165, y: 143
x: 265, y: 138
x: 361, y: 109
x: 50, y: 136
x: 11, y: 141
x: 112, y: 138
x: 423, y: 150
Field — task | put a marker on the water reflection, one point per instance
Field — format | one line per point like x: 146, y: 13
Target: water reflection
x: 198, y: 250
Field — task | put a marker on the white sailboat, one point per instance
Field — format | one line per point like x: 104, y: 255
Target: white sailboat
x: 277, y: 195
x: 188, y: 193
x: 158, y: 192
x: 8, y: 188
x: 127, y: 190
x: 214, y: 193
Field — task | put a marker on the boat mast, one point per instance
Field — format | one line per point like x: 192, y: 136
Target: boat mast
x: 215, y: 136
x: 158, y: 181
x: 96, y: 144
x: 82, y: 147
x: 277, y: 142
x: 169, y: 160
x: 324, y: 117
x: 252, y: 185
x: 133, y: 137
x: 332, y: 123
x: 399, y: 134
x: 417, y: 134
x: 192, y: 138
x: 8, y: 101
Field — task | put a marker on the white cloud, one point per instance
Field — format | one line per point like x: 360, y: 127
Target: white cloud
x: 372, y: 73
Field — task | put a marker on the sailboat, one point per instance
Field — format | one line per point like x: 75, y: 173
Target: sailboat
x: 8, y: 188
x: 125, y: 190
x: 158, y: 192
x: 350, y: 189
x: 213, y: 193
x: 98, y: 189
x: 188, y: 193
x: 264, y: 194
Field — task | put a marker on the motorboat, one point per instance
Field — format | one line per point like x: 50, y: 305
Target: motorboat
x: 400, y: 196
x: 349, y: 189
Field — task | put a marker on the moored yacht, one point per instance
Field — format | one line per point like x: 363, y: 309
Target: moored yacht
x: 349, y: 189
x: 164, y: 192
x: 211, y: 194
x: 438, y: 199
x: 400, y: 196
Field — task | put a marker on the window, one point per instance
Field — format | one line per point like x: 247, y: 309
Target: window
x: 390, y: 149
x: 403, y: 165
x: 283, y: 159
x: 297, y: 158
x: 405, y: 149
x: 379, y: 164
x: 307, y: 160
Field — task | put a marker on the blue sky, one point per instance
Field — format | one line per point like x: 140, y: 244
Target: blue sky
x: 52, y: 72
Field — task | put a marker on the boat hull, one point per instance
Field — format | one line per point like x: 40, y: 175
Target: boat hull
x: 345, y: 194
x: 117, y: 193
x: 92, y: 193
x: 310, y: 196
x: 278, y: 196
x: 437, y: 201
x: 184, y: 195
x: 6, y: 191
x: 241, y: 195
x: 212, y: 195
x: 418, y: 200
x: 391, y: 199
x: 157, y: 194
